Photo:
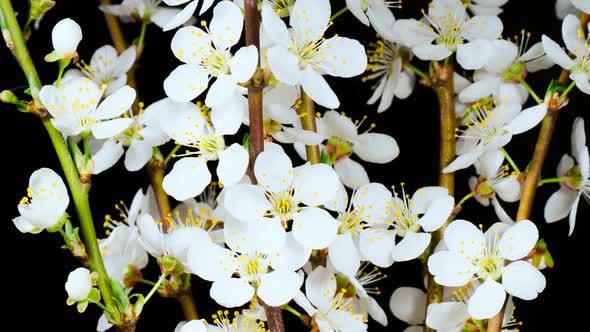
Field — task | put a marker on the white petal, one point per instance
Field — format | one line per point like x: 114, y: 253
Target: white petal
x: 291, y: 256
x: 231, y: 292
x: 115, y: 104
x: 222, y: 91
x: 554, y: 51
x: 485, y: 26
x: 351, y: 173
x: 342, y: 57
x: 110, y: 128
x: 581, y: 80
x: 527, y: 119
x: 314, y: 228
x: 211, y: 262
x: 227, y: 118
x: 110, y: 152
x: 315, y: 184
x: 191, y: 45
x: 450, y: 269
x: 559, y: 204
x: 187, y: 179
x: 479, y: 89
x: 372, y: 200
x: 375, y: 310
x: 226, y: 25
x: 523, y: 280
x: 464, y: 238
x: 233, y: 163
x: 424, y: 197
x: 446, y: 316
x: 320, y: 287
x: 437, y: 213
x: 243, y: 64
x: 193, y: 326
x: 572, y: 218
x: 382, y: 19
x: 340, y: 126
x: 578, y: 137
x: 183, y: 16
x: 274, y: 170
x: 310, y: 18
x: 318, y: 89
x: 465, y: 160
x: 487, y: 300
x: 501, y: 213
x: 25, y: 226
x: 284, y: 65
x: 428, y: 52
x: 150, y: 235
x: 473, y: 55
x: 411, y: 32
x: 570, y: 32
x: 138, y: 154
x: 408, y: 304
x: 489, y: 163
x: 278, y: 287
x: 356, y: 9
x: 581, y: 5
x: 343, y: 255
x: 411, y: 246
x: 186, y: 83
x: 246, y: 202
x: 503, y: 53
x: 376, y: 148
x: 377, y: 244
x: 518, y: 240
x: 275, y: 28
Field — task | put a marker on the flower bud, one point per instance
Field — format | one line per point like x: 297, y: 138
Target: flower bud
x: 8, y: 97
x: 40, y: 7
x: 79, y: 284
x: 65, y: 36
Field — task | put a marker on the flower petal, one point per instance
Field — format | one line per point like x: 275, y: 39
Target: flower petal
x: 343, y: 255
x: 376, y: 245
x: 284, y: 65
x: 446, y: 316
x: 407, y: 304
x: 487, y: 300
x: 231, y: 292
x: 187, y: 179
x: 315, y: 184
x: 314, y: 228
x: 411, y: 246
x: 186, y: 83
x: 226, y: 25
x: 559, y: 204
x: 318, y: 89
x: 110, y: 128
x: 523, y: 280
x: 376, y: 148
x: 554, y: 51
x: 518, y: 240
x: 279, y: 287
x: 233, y: 163
x: 527, y: 119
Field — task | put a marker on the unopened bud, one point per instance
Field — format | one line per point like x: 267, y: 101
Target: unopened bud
x: 8, y: 97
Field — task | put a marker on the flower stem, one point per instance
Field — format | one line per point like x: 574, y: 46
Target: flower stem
x: 102, y: 306
x: 467, y: 197
x: 291, y: 310
x: 78, y: 189
x: 417, y: 71
x: 551, y: 180
x: 510, y: 161
x: 252, y: 18
x: 172, y: 154
x: 566, y: 91
x: 62, y: 66
x: 147, y: 282
x: 338, y: 13
x: 443, y: 85
x: 86, y: 149
x: 187, y: 303
x: 530, y: 90
x: 155, y: 288
x: 307, y: 114
x: 141, y: 38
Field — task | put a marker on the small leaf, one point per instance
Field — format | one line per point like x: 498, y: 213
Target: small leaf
x: 138, y: 305
x: 119, y: 293
x: 28, y: 91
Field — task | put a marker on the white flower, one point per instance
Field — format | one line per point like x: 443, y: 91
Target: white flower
x: 122, y: 250
x: 328, y: 306
x: 106, y: 67
x: 360, y: 229
x: 75, y: 109
x: 186, y: 13
x: 377, y: 12
x: 577, y: 43
x: 490, y: 127
x: 506, y: 64
x: 206, y: 54
x: 576, y: 172
x: 386, y: 66
x: 302, y: 57
x: 493, y: 178
x: 449, y: 26
x: 143, y: 10
x: 79, y: 284
x: 223, y: 322
x: 408, y: 304
x: 277, y: 198
x: 363, y: 298
x: 142, y: 135
x: 65, y: 37
x: 427, y: 210
x: 189, y: 127
x: 45, y: 204
x: 254, y: 275
x: 488, y: 257
x: 486, y: 7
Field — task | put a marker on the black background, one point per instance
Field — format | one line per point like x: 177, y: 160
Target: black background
x: 34, y: 269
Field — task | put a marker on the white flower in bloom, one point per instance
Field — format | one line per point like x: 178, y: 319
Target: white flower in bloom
x: 65, y: 37
x: 45, y: 204
x: 427, y: 210
x: 212, y: 262
x: 576, y: 172
x: 508, y: 62
x: 223, y: 322
x: 360, y: 228
x: 489, y: 257
x: 377, y: 13
x: 206, y: 54
x: 75, y: 108
x: 189, y: 127
x: 486, y: 7
x: 143, y: 10
x: 277, y: 198
x: 451, y: 29
x: 106, y: 67
x: 304, y: 55
x: 79, y: 284
x: 491, y: 126
x: 363, y: 300
x: 577, y: 43
x: 494, y: 178
x: 122, y: 251
x: 327, y: 305
x: 386, y: 65
x: 186, y: 13
x: 142, y: 135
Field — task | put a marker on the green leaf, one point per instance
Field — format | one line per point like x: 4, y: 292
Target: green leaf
x: 28, y: 91
x: 325, y: 159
